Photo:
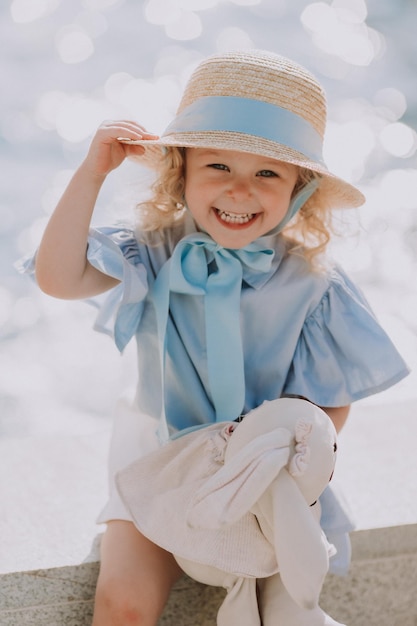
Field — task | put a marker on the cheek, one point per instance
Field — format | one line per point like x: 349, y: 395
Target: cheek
x: 189, y: 192
x: 288, y: 193
x: 279, y: 197
x: 199, y: 192
x: 195, y: 199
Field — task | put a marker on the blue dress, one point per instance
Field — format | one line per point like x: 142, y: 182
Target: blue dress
x: 304, y: 332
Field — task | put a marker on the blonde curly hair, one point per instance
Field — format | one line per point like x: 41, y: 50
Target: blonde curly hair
x: 307, y: 234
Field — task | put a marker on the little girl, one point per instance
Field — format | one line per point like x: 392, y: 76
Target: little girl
x: 223, y: 284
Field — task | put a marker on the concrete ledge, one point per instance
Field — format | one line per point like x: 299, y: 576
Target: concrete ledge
x: 380, y: 589
x: 51, y: 597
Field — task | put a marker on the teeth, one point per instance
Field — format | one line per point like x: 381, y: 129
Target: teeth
x: 235, y: 218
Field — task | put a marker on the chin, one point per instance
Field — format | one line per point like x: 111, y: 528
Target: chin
x: 233, y: 244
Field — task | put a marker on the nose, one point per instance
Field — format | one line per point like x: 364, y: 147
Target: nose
x: 239, y: 188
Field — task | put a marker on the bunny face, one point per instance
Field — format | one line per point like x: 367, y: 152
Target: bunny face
x: 312, y: 444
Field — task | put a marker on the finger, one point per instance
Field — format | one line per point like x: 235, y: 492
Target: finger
x: 134, y: 126
x: 133, y: 150
x: 128, y: 130
x: 145, y: 137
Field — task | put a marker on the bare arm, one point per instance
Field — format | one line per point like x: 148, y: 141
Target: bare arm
x: 338, y: 415
x: 62, y: 269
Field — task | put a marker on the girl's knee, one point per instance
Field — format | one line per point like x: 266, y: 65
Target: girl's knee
x: 122, y: 602
x: 135, y: 578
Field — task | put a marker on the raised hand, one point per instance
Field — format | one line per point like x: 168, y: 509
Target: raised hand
x: 110, y: 146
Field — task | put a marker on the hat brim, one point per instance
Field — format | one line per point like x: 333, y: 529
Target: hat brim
x: 341, y: 193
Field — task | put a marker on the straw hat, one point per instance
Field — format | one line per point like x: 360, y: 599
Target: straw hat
x: 257, y: 102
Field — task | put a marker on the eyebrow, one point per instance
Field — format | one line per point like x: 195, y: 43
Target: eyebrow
x: 277, y: 163
x: 267, y: 161
x: 209, y: 152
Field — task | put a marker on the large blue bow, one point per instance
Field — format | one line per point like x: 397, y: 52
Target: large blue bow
x: 199, y: 266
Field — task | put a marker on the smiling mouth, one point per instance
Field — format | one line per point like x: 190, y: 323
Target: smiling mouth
x: 235, y: 218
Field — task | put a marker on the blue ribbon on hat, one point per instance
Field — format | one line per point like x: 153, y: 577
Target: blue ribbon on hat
x: 188, y: 271
x: 250, y: 117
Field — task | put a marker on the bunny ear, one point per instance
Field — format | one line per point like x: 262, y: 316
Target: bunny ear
x: 233, y: 490
x: 300, y: 548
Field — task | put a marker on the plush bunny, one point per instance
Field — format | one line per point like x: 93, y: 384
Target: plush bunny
x: 236, y: 503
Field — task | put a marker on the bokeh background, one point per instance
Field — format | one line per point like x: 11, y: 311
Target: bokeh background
x: 66, y: 66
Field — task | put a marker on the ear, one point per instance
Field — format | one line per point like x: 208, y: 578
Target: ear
x: 300, y: 548
x: 230, y: 493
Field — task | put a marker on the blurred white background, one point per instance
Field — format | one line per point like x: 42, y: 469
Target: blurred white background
x: 66, y: 66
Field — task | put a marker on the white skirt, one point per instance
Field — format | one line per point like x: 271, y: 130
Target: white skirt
x: 133, y: 436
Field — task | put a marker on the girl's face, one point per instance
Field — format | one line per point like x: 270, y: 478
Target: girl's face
x: 237, y: 197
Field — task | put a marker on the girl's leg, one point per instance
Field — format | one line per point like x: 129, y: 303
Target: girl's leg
x: 135, y: 579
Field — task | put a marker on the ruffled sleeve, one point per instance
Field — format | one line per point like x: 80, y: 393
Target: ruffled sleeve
x: 343, y: 354
x: 115, y: 252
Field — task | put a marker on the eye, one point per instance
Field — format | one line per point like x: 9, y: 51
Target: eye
x: 267, y: 174
x: 218, y: 166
